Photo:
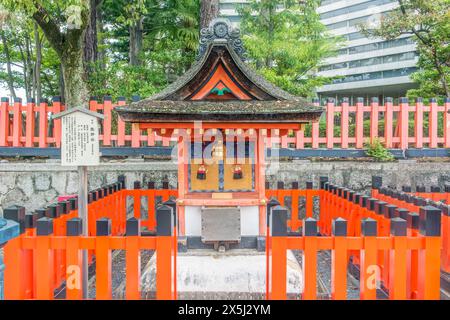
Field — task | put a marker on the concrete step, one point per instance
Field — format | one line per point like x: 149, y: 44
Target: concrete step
x: 234, y: 273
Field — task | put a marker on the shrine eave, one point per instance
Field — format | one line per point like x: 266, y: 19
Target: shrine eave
x: 220, y: 111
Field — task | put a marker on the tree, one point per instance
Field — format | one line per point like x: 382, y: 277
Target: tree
x: 286, y: 43
x: 9, y: 74
x: 209, y: 9
x: 169, y: 39
x: 22, y: 54
x: 91, y: 52
x: 429, y: 24
x: 64, y: 24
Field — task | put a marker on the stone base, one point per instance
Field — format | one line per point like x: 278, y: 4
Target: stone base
x: 238, y: 274
x: 247, y: 242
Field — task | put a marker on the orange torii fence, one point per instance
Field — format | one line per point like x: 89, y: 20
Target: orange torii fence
x: 31, y: 125
x: 398, y: 244
x: 366, y: 231
x: 295, y: 194
x: 373, y: 234
x: 412, y: 202
x: 30, y: 260
x: 57, y: 231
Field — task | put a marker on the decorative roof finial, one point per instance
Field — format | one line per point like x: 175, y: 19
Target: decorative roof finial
x: 221, y: 30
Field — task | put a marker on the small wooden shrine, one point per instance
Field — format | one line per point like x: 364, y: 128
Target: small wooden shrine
x: 221, y: 112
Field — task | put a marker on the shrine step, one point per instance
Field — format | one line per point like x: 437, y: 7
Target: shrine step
x: 238, y: 272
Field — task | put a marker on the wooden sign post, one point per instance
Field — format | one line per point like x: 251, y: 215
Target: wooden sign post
x: 80, y: 147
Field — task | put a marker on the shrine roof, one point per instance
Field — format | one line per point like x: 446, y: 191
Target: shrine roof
x: 220, y: 86
x: 235, y: 110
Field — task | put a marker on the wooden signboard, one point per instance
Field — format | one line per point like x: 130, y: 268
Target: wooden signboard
x: 80, y: 141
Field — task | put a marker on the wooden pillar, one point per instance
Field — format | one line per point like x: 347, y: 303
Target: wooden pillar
x: 261, y: 187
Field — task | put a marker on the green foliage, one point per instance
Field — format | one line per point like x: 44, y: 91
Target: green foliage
x: 429, y: 24
x: 286, y: 43
x: 378, y: 151
x: 170, y: 42
x: 18, y: 29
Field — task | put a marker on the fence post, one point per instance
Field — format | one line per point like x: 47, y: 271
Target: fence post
x: 151, y: 222
x: 309, y: 199
x: 344, y: 123
x: 14, y: 256
x: 43, y: 123
x: 369, y: 269
x: 107, y: 122
x: 388, y: 122
x: 278, y: 247
x: 273, y: 202
x: 17, y: 122
x: 359, y: 130
x: 373, y: 119
x: 8, y: 230
x: 397, y: 261
x: 413, y: 257
x: 135, y: 131
x: 44, y: 260
x: 429, y: 256
x: 133, y: 259
x: 339, y: 260
x: 74, y: 283
x: 404, y: 123
x: 309, y: 261
x: 4, y: 122
x: 445, y: 256
x: 121, y: 101
x: 446, y: 123
x: 173, y: 204
x: 433, y: 123
x: 418, y: 125
x: 164, y: 243
x: 30, y: 122
x: 103, y: 260
x: 315, y: 129
x: 137, y: 199
x: 57, y: 123
x: 377, y: 183
x: 330, y: 123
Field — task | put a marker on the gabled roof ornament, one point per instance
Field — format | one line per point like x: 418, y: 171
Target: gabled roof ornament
x: 221, y: 30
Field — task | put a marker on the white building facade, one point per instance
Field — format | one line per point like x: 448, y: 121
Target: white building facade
x: 367, y: 67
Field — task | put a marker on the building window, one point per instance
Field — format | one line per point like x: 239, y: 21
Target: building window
x: 337, y: 25
x: 380, y: 45
x: 354, y: 8
x: 326, y: 2
x: 376, y: 75
x: 355, y: 36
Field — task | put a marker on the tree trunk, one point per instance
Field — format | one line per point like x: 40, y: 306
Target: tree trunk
x: 136, y: 35
x: 100, y: 40
x: 445, y: 86
x: 70, y: 48
x: 37, y: 66
x: 91, y: 37
x: 269, y: 13
x: 10, y: 78
x: 209, y: 9
x: 61, y: 85
x: 25, y: 70
x: 30, y: 69
x: 76, y: 90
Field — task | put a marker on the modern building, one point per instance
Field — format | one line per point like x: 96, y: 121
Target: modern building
x: 366, y: 67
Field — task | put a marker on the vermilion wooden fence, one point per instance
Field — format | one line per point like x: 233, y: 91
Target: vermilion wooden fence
x: 343, y: 126
x: 40, y: 260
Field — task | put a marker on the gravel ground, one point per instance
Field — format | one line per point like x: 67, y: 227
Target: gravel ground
x: 324, y: 276
x: 118, y: 273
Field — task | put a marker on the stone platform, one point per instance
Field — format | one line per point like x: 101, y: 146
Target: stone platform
x: 235, y: 274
